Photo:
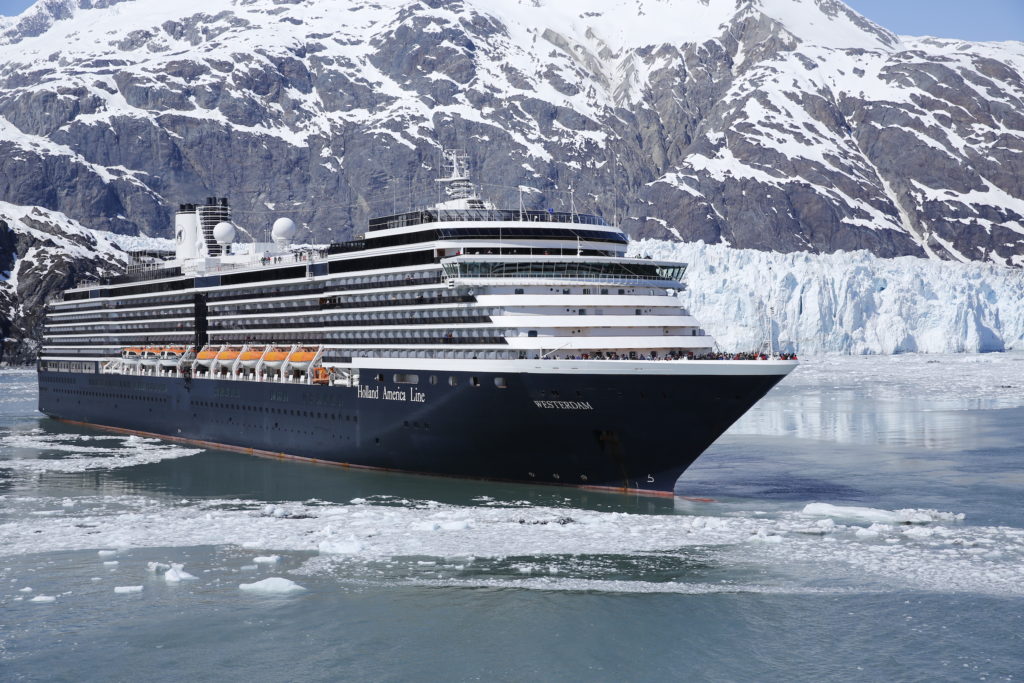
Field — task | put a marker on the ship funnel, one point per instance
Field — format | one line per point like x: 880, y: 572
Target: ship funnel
x: 186, y: 233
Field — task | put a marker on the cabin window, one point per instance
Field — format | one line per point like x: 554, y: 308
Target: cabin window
x: 453, y: 381
x: 475, y: 381
x: 406, y: 378
x: 637, y: 312
x: 531, y: 333
x: 586, y: 290
x: 380, y: 377
x: 566, y: 291
x: 622, y: 291
x: 519, y: 290
x: 582, y: 311
x: 433, y: 379
x: 500, y: 383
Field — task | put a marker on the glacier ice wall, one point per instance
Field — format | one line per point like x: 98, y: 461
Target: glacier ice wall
x: 847, y: 302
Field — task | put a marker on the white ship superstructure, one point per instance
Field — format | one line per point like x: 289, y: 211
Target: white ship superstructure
x: 461, y: 280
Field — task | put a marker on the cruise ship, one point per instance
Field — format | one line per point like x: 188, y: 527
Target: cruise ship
x: 458, y: 340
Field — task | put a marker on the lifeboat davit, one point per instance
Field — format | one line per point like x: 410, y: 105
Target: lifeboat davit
x: 251, y: 357
x: 275, y: 358
x: 132, y: 354
x: 206, y: 357
x: 171, y: 356
x: 301, y: 358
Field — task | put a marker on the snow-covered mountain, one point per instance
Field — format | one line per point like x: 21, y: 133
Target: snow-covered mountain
x: 42, y: 252
x: 786, y: 125
x: 770, y: 124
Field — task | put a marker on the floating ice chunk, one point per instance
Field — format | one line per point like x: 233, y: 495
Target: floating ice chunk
x: 157, y: 567
x: 111, y: 563
x: 43, y: 598
x: 266, y: 559
x: 107, y: 553
x: 177, y: 573
x: 918, y: 532
x: 907, y: 516
x: 332, y: 546
x: 456, y: 525
x: 26, y: 589
x: 127, y: 589
x: 761, y: 537
x: 270, y: 510
x: 252, y: 544
x: 274, y: 585
x: 248, y: 568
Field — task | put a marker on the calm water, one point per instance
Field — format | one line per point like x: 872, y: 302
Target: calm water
x: 866, y: 524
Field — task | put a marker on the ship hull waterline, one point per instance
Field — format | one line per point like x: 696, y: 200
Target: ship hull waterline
x: 629, y: 433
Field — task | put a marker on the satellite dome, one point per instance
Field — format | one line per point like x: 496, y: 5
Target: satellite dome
x: 224, y: 233
x: 284, y: 230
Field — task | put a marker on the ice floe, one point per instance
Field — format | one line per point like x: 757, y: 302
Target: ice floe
x: 122, y: 451
x: 881, y: 516
x: 177, y: 574
x: 815, y: 545
x: 121, y: 590
x: 274, y: 585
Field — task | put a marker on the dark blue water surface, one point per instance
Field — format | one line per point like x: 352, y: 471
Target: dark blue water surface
x: 864, y: 522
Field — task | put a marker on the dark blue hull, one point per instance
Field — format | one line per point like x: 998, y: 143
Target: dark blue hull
x: 619, y: 431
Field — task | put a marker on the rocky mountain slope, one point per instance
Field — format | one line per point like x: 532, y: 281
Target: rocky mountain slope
x: 43, y: 252
x: 787, y: 125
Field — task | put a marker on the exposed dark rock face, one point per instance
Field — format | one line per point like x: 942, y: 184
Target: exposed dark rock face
x: 761, y: 123
x: 41, y: 253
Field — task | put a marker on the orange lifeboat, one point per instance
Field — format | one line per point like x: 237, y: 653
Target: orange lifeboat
x: 275, y: 358
x: 228, y: 356
x: 301, y: 358
x: 251, y: 357
x: 206, y: 357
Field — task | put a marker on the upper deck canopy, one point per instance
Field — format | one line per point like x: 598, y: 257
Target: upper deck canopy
x: 404, y: 220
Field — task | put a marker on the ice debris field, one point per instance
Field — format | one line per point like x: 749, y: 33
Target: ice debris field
x: 818, y: 546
